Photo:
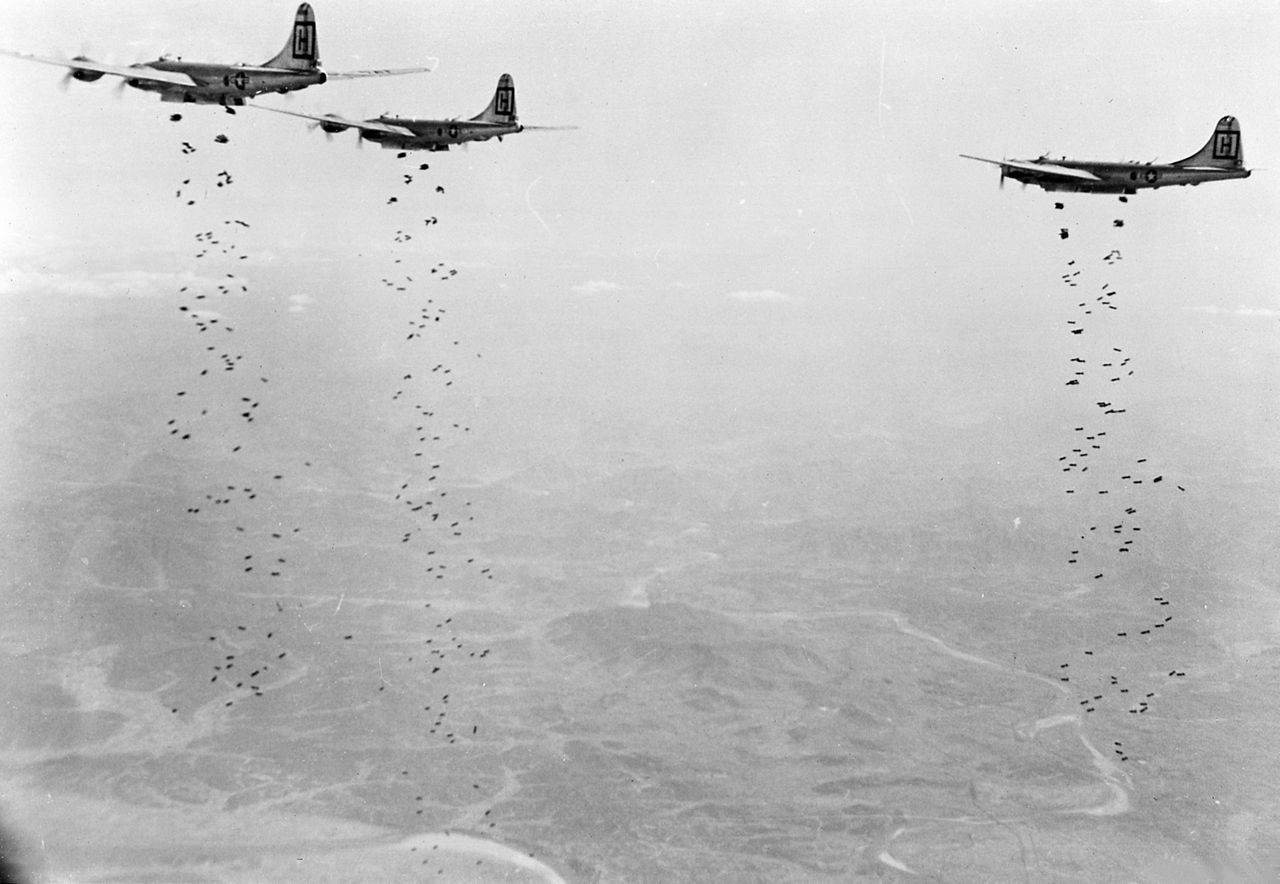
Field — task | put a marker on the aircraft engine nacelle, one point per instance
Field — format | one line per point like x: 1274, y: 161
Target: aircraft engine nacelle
x: 82, y: 75
x: 333, y: 128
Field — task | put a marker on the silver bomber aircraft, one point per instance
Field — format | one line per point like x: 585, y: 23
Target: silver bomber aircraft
x: 403, y: 133
x: 1221, y: 158
x: 294, y: 67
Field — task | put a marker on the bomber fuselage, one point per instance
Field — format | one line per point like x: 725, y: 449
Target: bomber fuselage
x: 1122, y: 177
x: 437, y: 134
x: 224, y: 84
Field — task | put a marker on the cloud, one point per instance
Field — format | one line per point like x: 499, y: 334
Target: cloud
x: 1242, y: 310
x: 103, y: 284
x: 596, y: 287
x: 299, y: 303
x: 761, y: 296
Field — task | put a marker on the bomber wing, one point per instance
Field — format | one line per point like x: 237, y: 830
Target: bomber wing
x: 381, y: 72
x: 139, y: 72
x: 1044, y: 170
x: 335, y: 120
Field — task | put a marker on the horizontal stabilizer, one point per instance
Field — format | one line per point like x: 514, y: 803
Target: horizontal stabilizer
x: 383, y: 72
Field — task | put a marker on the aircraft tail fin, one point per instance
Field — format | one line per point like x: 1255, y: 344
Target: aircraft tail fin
x: 1224, y: 149
x: 301, y: 52
x: 502, y: 109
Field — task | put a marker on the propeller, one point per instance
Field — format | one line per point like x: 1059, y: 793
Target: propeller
x: 313, y: 126
x: 330, y: 125
x: 74, y: 73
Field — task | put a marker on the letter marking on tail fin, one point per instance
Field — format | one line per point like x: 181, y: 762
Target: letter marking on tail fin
x: 504, y: 101
x: 1226, y: 145
x: 304, y: 40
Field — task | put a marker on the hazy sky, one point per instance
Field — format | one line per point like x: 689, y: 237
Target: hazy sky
x: 725, y: 148
x: 736, y: 146
x: 763, y: 211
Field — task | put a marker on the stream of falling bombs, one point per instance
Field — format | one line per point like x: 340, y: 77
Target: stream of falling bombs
x: 1109, y: 485
x: 250, y: 659
x: 431, y: 516
x: 220, y: 402
x: 212, y: 402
